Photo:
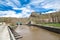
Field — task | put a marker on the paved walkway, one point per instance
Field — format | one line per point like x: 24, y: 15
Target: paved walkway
x: 4, y: 33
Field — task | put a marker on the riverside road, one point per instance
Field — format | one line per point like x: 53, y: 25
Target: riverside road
x: 35, y: 33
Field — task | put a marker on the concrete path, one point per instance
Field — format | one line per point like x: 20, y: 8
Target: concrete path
x: 5, y: 33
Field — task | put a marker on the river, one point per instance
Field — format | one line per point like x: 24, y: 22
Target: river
x: 35, y: 33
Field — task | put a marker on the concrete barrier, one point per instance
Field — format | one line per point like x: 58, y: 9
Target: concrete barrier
x: 16, y: 35
x: 11, y: 34
x: 52, y: 29
x: 5, y: 33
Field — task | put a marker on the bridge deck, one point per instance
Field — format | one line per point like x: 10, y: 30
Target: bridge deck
x: 34, y: 33
x: 5, y: 33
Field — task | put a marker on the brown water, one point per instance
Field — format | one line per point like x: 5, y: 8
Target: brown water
x: 34, y: 33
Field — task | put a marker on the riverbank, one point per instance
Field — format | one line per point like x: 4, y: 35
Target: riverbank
x: 52, y: 24
x: 49, y: 28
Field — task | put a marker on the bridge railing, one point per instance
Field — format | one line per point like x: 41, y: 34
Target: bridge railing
x: 11, y: 34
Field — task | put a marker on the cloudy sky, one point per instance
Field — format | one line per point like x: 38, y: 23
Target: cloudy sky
x: 23, y: 8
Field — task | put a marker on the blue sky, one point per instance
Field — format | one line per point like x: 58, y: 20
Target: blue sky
x: 23, y: 8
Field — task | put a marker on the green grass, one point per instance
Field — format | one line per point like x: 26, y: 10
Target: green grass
x: 52, y: 24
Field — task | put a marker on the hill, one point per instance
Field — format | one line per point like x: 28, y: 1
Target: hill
x: 45, y: 18
x: 34, y: 17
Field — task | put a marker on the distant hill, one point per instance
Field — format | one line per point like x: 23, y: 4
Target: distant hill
x: 13, y: 20
x: 45, y: 18
x: 34, y: 17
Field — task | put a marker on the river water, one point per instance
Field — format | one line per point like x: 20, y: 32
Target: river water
x: 35, y: 33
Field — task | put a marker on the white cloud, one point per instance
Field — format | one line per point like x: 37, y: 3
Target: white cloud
x: 8, y: 14
x: 13, y: 3
x: 47, y: 4
x: 50, y: 11
x: 36, y: 1
x: 10, y: 4
x: 25, y: 13
x: 16, y: 3
x: 55, y: 4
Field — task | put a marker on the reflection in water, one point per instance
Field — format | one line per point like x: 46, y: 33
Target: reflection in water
x: 34, y: 33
